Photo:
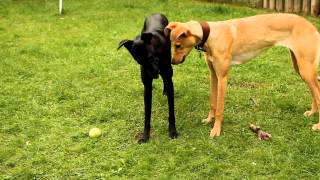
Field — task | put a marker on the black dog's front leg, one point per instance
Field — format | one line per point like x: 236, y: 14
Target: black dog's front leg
x: 168, y: 86
x: 147, y: 82
x: 164, y: 92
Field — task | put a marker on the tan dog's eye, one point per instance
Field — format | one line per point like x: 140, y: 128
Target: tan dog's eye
x: 178, y: 46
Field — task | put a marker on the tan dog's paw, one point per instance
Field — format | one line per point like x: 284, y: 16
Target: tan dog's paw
x: 316, y: 127
x: 309, y: 113
x: 215, y: 132
x: 207, y: 121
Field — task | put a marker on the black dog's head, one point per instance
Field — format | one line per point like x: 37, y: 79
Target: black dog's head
x: 145, y: 50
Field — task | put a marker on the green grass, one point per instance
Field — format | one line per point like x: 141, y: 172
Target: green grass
x: 59, y: 77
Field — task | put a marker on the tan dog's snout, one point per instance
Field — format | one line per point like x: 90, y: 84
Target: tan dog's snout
x: 177, y: 59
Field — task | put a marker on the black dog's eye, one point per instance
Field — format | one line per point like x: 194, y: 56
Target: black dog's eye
x: 178, y: 46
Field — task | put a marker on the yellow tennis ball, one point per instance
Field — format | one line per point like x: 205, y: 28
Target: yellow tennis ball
x: 95, y: 132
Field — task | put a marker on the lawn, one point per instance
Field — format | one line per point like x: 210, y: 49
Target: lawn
x: 61, y: 76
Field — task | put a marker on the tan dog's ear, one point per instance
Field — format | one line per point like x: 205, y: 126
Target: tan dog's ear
x: 185, y: 33
x: 169, y: 28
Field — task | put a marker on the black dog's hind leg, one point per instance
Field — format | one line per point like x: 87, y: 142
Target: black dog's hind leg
x: 166, y: 75
x: 147, y: 82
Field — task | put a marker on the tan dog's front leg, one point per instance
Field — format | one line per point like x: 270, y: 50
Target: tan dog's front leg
x: 213, y: 96
x: 313, y: 108
x: 222, y: 88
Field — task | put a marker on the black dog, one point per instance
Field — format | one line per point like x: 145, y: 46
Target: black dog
x: 152, y: 50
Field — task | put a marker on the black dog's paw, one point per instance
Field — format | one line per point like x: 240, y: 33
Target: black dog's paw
x: 143, y: 140
x: 142, y: 137
x: 173, y: 134
x: 164, y: 92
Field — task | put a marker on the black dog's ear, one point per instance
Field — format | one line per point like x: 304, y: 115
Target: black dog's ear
x: 126, y: 43
x: 146, y: 37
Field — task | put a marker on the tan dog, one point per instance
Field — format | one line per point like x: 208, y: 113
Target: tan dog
x: 238, y: 40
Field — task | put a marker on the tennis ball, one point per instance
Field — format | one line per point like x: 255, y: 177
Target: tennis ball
x: 95, y: 132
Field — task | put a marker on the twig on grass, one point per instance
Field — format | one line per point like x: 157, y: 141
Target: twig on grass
x: 261, y: 134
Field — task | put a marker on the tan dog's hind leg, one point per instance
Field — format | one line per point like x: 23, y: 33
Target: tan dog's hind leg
x: 315, y: 90
x: 308, y: 72
x: 213, y: 93
x: 294, y: 62
x: 317, y: 102
x: 314, y: 103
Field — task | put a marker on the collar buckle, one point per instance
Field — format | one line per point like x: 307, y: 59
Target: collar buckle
x: 200, y: 48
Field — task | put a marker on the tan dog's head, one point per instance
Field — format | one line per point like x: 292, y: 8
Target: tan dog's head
x: 182, y: 39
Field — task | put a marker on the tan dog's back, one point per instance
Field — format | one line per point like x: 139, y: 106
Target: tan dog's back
x: 268, y: 30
